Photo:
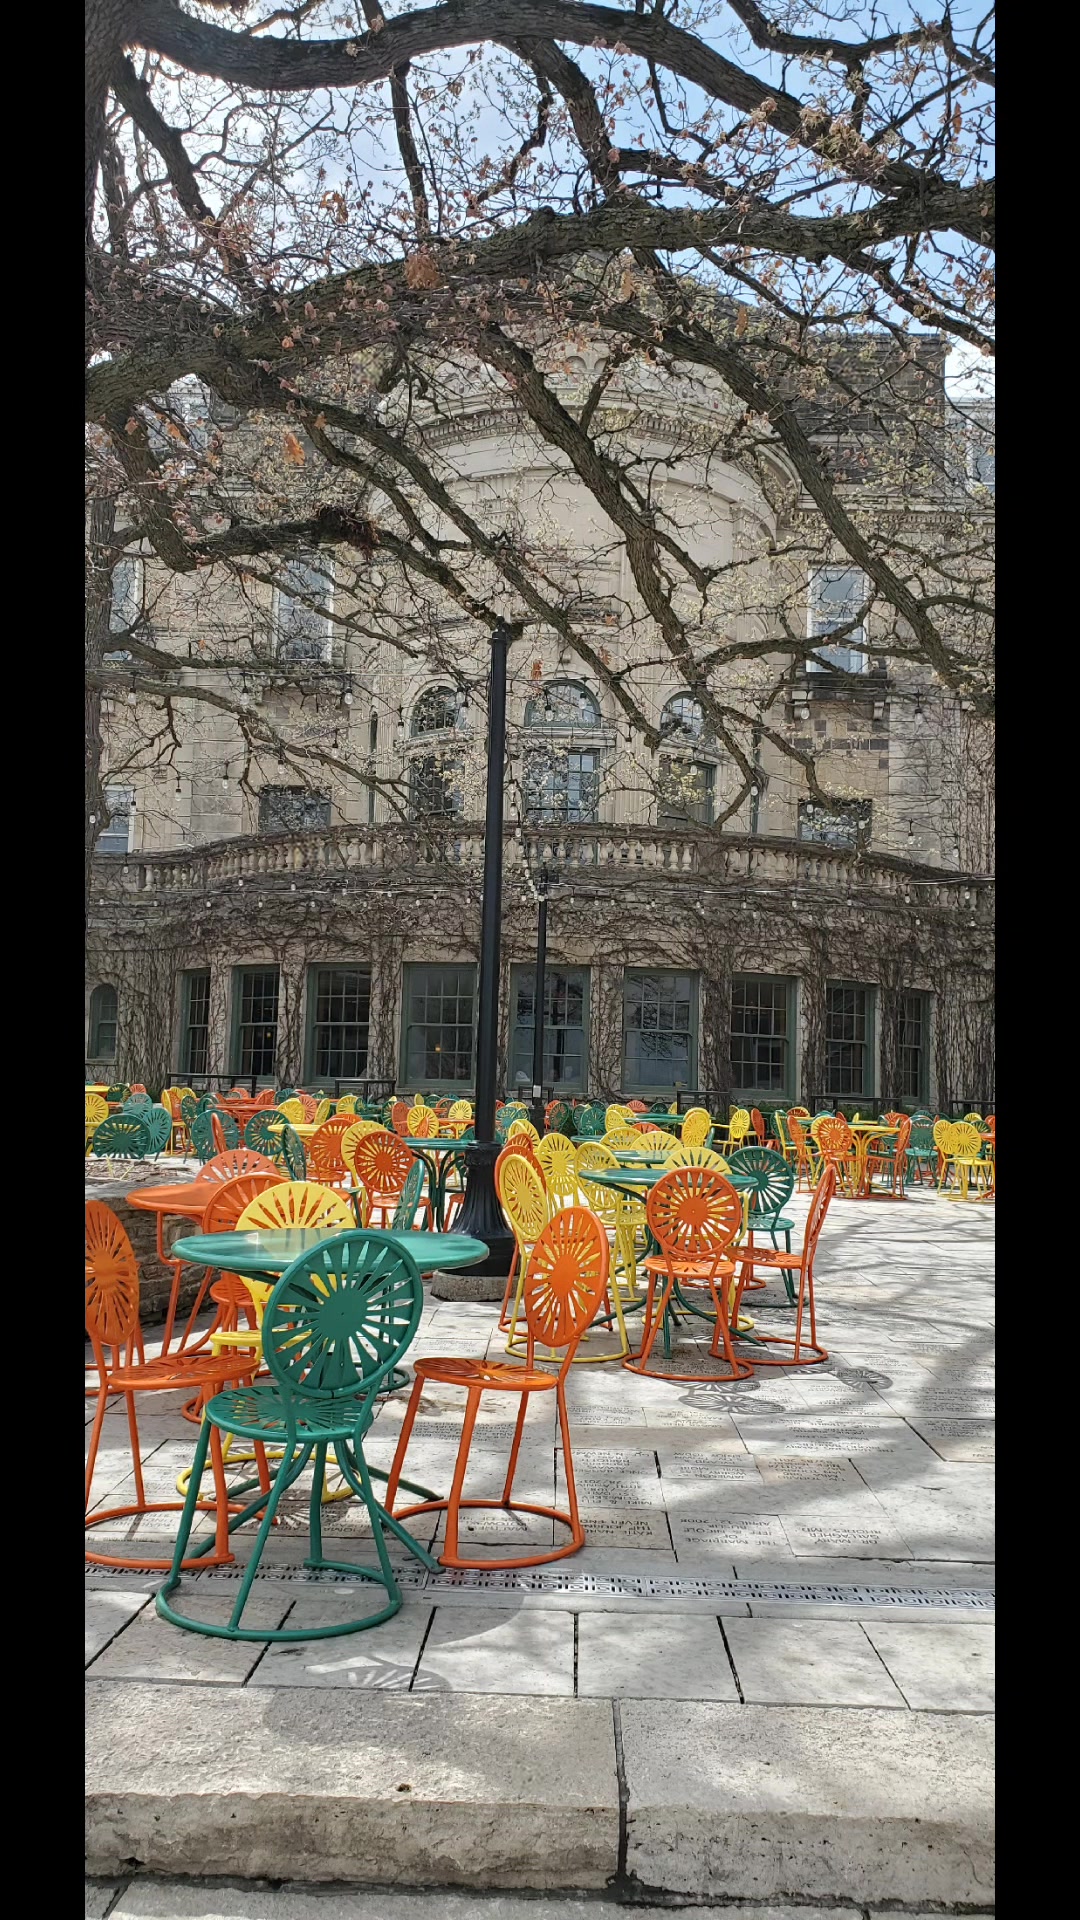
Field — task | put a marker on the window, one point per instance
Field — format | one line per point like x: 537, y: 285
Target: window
x: 195, y: 1034
x: 565, y: 706
x: 436, y: 711
x: 684, y: 719
x: 304, y: 601
x: 837, y: 595
x: 563, y: 787
x: 102, y: 1037
x: 849, y: 1035
x: 119, y: 830
x: 127, y: 593
x: 339, y: 1008
x: 255, y: 1001
x: 761, y: 1024
x: 434, y: 787
x: 566, y: 1001
x: 913, y: 1047
x: 686, y: 792
x: 846, y: 824
x: 440, y: 1017
x: 659, y: 1032
x: 292, y: 810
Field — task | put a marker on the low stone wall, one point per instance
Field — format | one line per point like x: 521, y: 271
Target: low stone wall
x: 114, y: 1186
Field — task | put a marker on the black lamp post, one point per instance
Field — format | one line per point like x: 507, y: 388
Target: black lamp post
x: 481, y: 1214
x: 540, y: 1004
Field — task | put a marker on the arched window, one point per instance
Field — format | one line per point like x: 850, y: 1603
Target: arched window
x: 686, y: 788
x: 102, y: 1038
x: 564, y: 706
x: 437, y: 710
x: 683, y: 722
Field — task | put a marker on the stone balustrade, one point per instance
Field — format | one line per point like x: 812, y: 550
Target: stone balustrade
x: 592, y: 852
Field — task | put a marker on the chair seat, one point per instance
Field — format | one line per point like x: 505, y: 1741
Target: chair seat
x: 496, y: 1374
x: 775, y: 1257
x: 258, y: 1411
x: 697, y: 1272
x: 173, y: 1371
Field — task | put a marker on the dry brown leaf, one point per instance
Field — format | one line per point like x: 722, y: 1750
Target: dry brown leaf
x: 421, y: 271
x: 294, y: 452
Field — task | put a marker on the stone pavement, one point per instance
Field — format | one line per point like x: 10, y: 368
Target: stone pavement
x: 173, y: 1900
x: 795, y: 1570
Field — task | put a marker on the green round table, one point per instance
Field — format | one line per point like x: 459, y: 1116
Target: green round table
x: 270, y: 1251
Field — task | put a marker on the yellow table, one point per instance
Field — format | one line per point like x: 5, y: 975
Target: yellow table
x: 303, y: 1129
x: 865, y: 1131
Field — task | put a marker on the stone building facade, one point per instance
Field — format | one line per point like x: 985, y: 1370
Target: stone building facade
x: 246, y: 921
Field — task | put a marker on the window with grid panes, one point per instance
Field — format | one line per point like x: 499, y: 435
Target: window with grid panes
x: 303, y: 607
x: 256, y: 1008
x: 659, y: 1032
x: 760, y: 1033
x: 102, y: 1023
x: 434, y: 786
x: 686, y: 792
x: 566, y: 995
x: 195, y: 1037
x: 849, y: 1034
x: 440, y: 1022
x: 913, y: 1047
x: 339, y: 1000
x: 837, y: 596
x: 563, y: 788
x: 292, y: 810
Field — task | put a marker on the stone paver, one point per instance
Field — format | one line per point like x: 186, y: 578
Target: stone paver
x: 484, y: 1650
x: 828, y: 1663
x: 153, y: 1649
x: 653, y: 1657
x: 939, y: 1664
x: 107, y: 1614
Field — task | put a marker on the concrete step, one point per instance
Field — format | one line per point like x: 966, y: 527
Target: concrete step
x: 691, y: 1799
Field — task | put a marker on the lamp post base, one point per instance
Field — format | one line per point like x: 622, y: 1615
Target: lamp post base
x: 482, y: 1216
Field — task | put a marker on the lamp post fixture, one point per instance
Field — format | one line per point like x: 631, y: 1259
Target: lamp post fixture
x: 481, y: 1214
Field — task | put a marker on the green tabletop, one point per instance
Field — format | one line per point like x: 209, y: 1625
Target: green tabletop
x: 633, y: 1179
x: 639, y: 1157
x: 658, y: 1119
x: 273, y: 1249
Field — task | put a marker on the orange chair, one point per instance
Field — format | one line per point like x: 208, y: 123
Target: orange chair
x: 325, y: 1161
x: 382, y: 1163
x: 798, y: 1352
x: 227, y: 1201
x: 235, y: 1161
x: 564, y: 1284
x: 757, y: 1121
x: 890, y: 1157
x: 112, y: 1322
x: 309, y: 1105
x: 800, y: 1139
x: 267, y: 1098
x: 836, y: 1144
x: 695, y: 1217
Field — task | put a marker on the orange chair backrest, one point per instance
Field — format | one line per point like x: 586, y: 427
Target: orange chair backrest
x: 352, y: 1137
x: 310, y: 1106
x: 229, y: 1198
x: 637, y: 1106
x: 894, y: 1119
x: 801, y: 1113
x: 237, y: 1160
x: 382, y: 1162
x: 325, y: 1157
x: 399, y: 1116
x: 296, y: 1203
x: 694, y: 1214
x: 520, y: 1144
x: 903, y: 1135
x: 112, y: 1282
x: 218, y: 1132
x: 757, y: 1121
x: 796, y: 1126
x: 170, y: 1100
x: 815, y: 1219
x: 266, y: 1098
x: 833, y: 1135
x: 565, y: 1281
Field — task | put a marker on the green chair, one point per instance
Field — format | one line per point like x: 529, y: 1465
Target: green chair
x: 774, y: 1182
x: 257, y: 1134
x: 921, y: 1151
x: 117, y: 1093
x: 335, y: 1326
x: 290, y: 1154
x: 409, y: 1198
x: 590, y: 1122
x: 121, y: 1137
x: 137, y: 1103
x: 558, y: 1118
x: 189, y: 1107
x: 158, y: 1122
x: 203, y: 1144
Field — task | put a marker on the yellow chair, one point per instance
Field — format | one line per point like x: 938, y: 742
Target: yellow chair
x: 526, y: 1127
x: 97, y: 1110
x: 683, y: 1155
x: 697, y: 1127
x: 657, y: 1141
x: 461, y: 1110
x: 422, y: 1122
x: 617, y: 1116
x: 351, y: 1139
x: 347, y: 1103
x: 623, y: 1140
x: 736, y: 1130
x: 962, y: 1148
x: 523, y: 1199
x: 292, y: 1111
x: 555, y: 1153
x: 621, y: 1213
x: 322, y: 1112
